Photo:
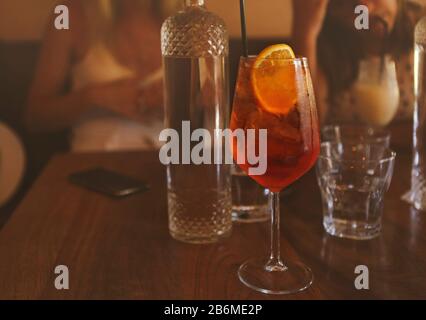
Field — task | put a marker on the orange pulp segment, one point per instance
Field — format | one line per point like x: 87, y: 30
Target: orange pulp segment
x: 273, y: 79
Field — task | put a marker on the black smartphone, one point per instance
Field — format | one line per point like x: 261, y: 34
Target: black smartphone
x: 108, y: 182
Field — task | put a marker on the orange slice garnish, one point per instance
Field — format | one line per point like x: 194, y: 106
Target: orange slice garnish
x: 273, y: 79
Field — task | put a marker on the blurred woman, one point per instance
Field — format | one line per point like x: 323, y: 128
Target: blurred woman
x: 324, y: 31
x: 102, y: 78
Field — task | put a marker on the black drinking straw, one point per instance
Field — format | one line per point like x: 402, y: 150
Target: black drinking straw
x: 244, y: 27
x: 384, y: 48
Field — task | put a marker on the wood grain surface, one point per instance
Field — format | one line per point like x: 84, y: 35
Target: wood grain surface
x: 121, y: 249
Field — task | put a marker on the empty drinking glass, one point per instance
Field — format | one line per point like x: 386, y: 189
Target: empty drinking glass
x: 353, y: 179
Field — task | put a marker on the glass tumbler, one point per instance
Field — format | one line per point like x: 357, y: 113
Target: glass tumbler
x: 353, y: 180
x: 354, y: 134
x: 249, y: 199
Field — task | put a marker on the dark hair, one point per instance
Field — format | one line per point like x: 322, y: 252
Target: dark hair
x: 339, y: 52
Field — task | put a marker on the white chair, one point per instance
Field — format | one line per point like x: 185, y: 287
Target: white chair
x: 12, y: 163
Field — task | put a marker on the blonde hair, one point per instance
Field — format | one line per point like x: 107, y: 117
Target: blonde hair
x: 104, y: 14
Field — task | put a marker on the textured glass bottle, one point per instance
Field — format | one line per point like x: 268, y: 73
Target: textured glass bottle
x: 195, y: 58
x: 418, y: 175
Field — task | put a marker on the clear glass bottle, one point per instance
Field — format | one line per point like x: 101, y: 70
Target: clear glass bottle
x: 418, y: 174
x: 195, y: 58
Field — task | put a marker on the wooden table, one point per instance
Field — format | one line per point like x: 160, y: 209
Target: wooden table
x: 121, y: 249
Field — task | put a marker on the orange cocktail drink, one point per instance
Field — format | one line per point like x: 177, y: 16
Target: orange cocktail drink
x: 274, y: 93
x: 277, y: 95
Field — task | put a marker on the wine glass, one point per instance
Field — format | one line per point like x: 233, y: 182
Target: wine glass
x: 277, y: 95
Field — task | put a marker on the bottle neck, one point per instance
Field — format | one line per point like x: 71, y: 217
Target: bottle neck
x: 194, y: 3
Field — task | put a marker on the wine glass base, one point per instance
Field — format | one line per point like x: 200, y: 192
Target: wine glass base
x: 295, y: 278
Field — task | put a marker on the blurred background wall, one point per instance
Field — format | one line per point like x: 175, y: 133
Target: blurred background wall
x: 266, y: 18
x: 31, y: 22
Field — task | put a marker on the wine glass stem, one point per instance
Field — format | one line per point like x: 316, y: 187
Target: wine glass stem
x: 275, y: 263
